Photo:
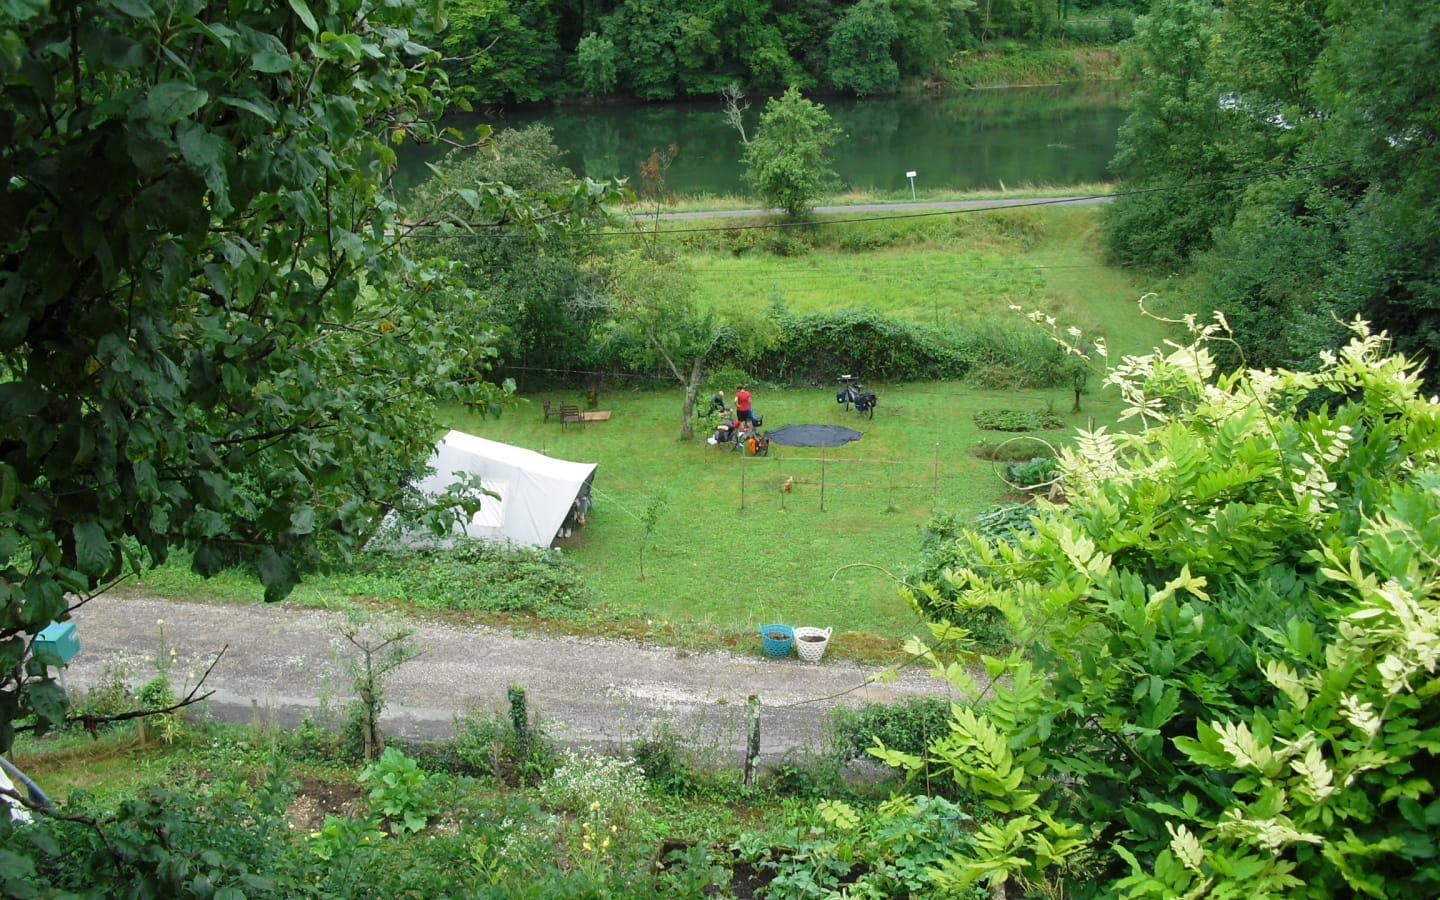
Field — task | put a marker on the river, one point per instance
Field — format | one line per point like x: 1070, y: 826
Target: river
x: 1057, y: 136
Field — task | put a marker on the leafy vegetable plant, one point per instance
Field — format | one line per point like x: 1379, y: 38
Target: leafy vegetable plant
x: 400, y: 791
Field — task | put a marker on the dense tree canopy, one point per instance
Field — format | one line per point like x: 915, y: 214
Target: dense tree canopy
x: 522, y: 50
x: 213, y: 335
x: 1312, y: 128
x: 860, y: 57
x: 502, y: 50
x: 1168, y: 138
x: 536, y: 289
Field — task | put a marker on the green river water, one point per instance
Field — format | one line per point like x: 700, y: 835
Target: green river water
x: 978, y: 140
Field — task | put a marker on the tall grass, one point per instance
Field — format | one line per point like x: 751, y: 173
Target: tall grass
x: 1002, y: 69
x: 963, y: 270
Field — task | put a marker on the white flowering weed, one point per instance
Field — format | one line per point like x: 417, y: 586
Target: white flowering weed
x: 585, y: 779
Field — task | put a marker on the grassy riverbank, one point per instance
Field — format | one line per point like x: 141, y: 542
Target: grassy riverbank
x: 646, y: 213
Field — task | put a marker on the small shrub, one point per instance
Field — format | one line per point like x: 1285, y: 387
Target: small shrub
x: 672, y: 768
x: 313, y: 741
x: 784, y: 244
x: 908, y: 726
x: 740, y: 241
x: 489, y: 745
x: 434, y: 757
x: 1016, y: 449
x: 809, y: 775
x: 339, y: 837
x: 819, y: 345
x: 481, y: 576
x: 1122, y: 25
x: 110, y: 696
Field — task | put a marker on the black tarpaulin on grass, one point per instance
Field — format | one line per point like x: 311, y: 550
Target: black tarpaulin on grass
x: 813, y: 435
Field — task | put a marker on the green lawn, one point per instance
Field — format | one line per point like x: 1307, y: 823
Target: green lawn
x: 966, y: 268
x: 731, y: 550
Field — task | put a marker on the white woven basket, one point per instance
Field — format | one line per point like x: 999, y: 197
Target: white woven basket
x: 810, y: 642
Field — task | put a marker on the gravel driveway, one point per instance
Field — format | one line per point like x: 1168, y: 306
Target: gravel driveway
x: 280, y: 661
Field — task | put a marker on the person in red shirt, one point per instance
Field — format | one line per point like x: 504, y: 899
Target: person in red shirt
x: 742, y: 405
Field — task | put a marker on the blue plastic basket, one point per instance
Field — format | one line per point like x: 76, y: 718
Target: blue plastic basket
x: 777, y: 647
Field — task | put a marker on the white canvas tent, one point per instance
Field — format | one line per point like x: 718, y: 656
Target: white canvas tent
x: 536, y: 491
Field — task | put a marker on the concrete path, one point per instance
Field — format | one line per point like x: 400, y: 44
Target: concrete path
x: 280, y: 661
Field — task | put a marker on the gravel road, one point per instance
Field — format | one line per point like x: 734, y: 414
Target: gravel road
x: 279, y: 662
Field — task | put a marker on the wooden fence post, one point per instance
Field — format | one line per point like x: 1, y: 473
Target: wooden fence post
x: 935, y: 478
x: 822, y: 479
x: 752, y: 746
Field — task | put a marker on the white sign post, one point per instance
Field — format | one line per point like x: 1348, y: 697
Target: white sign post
x: 911, y: 176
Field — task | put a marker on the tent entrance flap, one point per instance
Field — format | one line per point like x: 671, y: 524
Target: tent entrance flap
x: 536, y: 492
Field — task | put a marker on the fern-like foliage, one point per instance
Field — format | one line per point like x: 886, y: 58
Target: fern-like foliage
x: 1229, y: 639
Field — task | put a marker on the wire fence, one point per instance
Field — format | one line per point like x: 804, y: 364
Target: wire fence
x: 821, y: 478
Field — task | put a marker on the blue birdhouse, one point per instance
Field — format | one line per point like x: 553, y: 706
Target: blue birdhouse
x: 60, y: 639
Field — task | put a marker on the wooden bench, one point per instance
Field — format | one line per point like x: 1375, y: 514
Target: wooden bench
x: 571, y: 414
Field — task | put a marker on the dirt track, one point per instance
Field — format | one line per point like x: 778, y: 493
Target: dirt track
x: 280, y: 661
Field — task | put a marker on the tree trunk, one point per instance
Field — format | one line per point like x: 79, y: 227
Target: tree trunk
x: 687, y: 411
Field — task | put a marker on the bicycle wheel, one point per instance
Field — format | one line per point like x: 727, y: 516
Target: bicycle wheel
x: 868, y: 412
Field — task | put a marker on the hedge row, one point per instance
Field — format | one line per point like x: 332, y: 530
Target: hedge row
x: 813, y: 348
x: 816, y: 346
